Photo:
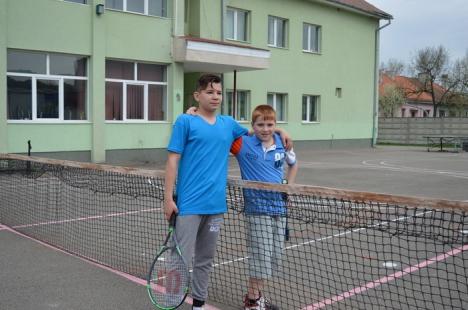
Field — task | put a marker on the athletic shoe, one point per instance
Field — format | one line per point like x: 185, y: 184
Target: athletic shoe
x: 261, y: 303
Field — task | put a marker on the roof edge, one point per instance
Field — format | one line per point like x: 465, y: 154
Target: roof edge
x: 379, y: 14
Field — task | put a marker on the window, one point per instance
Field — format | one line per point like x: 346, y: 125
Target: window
x: 46, y: 86
x: 403, y: 112
x: 237, y: 24
x: 146, y: 7
x: 277, y: 29
x: 311, y: 38
x: 310, y: 108
x: 442, y: 113
x: 339, y: 92
x: 278, y: 102
x: 77, y: 1
x: 135, y: 91
x: 241, y: 110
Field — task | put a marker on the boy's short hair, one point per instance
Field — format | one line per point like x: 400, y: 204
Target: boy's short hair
x: 264, y: 110
x: 207, y: 79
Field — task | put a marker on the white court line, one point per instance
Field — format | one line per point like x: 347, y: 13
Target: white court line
x: 326, y: 238
x: 385, y: 166
x: 386, y: 279
x: 94, y: 217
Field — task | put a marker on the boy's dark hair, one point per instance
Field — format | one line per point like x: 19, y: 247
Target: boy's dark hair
x: 207, y: 79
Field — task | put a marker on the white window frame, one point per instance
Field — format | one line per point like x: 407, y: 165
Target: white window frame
x: 317, y: 109
x: 47, y: 76
x: 285, y: 112
x: 146, y: 85
x: 247, y: 22
x: 319, y: 39
x: 275, y: 32
x: 235, y: 112
x: 146, y: 9
x: 86, y: 2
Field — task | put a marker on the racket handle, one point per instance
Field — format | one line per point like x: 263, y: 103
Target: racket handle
x: 172, y: 220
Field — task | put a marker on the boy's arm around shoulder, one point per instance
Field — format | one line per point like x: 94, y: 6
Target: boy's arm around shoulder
x: 169, y: 182
x: 285, y: 138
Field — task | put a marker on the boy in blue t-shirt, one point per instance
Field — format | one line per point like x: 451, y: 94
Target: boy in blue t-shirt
x: 261, y: 157
x: 198, y: 156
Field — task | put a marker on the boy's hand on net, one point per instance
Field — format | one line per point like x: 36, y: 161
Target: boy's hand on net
x: 169, y: 208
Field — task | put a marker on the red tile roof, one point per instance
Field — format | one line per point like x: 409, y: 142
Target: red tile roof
x: 410, y: 86
x: 364, y: 6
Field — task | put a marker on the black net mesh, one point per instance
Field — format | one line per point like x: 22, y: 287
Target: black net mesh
x: 321, y: 252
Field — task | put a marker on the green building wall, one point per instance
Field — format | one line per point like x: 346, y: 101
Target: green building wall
x: 346, y: 61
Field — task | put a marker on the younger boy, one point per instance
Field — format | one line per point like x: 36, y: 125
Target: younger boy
x: 261, y: 158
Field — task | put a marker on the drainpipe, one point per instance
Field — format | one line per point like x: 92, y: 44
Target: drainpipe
x: 375, y: 113
x: 223, y: 6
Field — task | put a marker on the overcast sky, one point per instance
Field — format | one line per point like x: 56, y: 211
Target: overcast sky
x: 422, y: 23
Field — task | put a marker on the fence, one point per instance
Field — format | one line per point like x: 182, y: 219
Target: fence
x: 404, y: 130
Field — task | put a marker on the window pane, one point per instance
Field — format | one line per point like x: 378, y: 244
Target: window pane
x: 270, y: 100
x: 242, y: 106
x: 114, y: 101
x: 280, y: 38
x: 156, y: 103
x: 114, y: 4
x: 313, y: 104
x: 230, y: 107
x: 26, y: 62
x: 67, y: 65
x: 241, y: 25
x: 304, y: 108
x: 271, y: 31
x: 119, y: 70
x: 305, y: 37
x: 157, y: 8
x: 137, y: 6
x: 150, y: 72
x: 74, y: 99
x: 230, y: 24
x: 77, y: 1
x: 19, y: 97
x: 47, y: 98
x: 135, y: 101
x: 280, y: 107
x: 314, y: 38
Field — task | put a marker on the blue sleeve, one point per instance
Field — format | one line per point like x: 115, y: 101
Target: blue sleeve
x: 238, y: 130
x: 179, y: 135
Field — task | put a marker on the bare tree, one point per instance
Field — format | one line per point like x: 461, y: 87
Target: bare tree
x: 458, y: 101
x: 436, y: 74
x: 393, y: 67
x: 391, y: 98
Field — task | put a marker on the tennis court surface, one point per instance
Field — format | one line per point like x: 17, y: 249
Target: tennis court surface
x: 346, y: 249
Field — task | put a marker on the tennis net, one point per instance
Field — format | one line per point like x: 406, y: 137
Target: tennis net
x: 337, y: 249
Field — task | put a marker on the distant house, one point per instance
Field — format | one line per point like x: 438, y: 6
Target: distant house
x: 417, y: 103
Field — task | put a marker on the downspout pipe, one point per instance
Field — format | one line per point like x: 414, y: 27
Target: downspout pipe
x: 375, y: 112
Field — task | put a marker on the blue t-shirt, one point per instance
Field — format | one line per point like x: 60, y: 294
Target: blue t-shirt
x: 257, y: 164
x: 204, y: 150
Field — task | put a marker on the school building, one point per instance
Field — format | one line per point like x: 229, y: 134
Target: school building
x: 104, y: 80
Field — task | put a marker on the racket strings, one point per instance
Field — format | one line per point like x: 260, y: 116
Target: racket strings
x: 169, y: 279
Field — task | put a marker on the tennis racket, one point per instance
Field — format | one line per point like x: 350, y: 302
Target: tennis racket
x: 169, y: 277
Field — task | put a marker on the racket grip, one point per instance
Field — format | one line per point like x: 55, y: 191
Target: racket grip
x: 172, y: 219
